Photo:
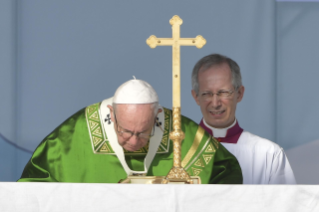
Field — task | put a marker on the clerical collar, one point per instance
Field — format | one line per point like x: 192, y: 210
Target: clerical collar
x: 228, y: 135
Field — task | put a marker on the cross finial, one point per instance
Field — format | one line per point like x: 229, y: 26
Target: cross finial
x: 176, y: 41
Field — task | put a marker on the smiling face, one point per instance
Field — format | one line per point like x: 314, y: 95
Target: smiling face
x: 135, y: 118
x: 218, y: 112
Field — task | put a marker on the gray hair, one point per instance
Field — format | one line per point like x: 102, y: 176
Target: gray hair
x: 212, y: 60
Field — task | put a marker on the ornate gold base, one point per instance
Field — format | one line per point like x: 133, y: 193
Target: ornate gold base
x: 159, y: 180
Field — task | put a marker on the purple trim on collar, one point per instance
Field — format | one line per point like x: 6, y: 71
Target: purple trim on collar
x: 232, y: 134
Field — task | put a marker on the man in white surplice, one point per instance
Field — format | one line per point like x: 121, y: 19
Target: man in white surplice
x: 217, y: 88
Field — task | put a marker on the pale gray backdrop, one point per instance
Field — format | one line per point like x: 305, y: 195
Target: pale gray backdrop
x: 59, y: 56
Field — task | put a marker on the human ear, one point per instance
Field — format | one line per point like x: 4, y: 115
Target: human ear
x: 240, y: 92
x: 159, y: 111
x: 111, y: 111
x: 195, y: 97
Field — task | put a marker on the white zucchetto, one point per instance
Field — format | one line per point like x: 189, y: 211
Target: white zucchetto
x: 135, y: 92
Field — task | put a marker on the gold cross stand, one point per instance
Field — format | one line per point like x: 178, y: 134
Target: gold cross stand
x: 177, y: 173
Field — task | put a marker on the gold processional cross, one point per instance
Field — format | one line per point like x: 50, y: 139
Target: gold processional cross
x: 177, y: 173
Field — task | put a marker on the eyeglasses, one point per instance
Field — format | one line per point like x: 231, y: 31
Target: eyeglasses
x: 126, y: 134
x: 207, y: 96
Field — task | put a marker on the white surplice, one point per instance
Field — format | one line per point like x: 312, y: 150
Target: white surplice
x: 261, y: 160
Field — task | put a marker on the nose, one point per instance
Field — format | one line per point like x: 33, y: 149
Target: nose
x: 215, y: 101
x: 134, y: 140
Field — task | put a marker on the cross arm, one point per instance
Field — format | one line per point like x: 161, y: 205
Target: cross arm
x: 199, y: 41
x: 153, y: 41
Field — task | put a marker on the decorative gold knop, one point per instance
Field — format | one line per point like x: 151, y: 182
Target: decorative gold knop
x: 177, y: 173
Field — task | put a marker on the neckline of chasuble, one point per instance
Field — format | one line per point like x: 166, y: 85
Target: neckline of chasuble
x: 100, y: 142
x: 197, y: 158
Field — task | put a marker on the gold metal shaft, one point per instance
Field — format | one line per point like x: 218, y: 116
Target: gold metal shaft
x: 177, y: 173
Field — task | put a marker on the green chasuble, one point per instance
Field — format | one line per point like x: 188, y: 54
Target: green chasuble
x: 79, y: 150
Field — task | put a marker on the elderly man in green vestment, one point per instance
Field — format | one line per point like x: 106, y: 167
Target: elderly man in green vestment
x: 127, y: 135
